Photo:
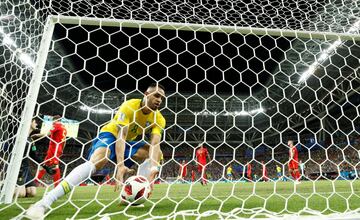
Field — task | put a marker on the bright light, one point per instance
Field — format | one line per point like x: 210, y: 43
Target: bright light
x: 323, y: 56
x: 242, y: 113
x: 354, y: 27
x: 235, y: 113
x: 26, y: 59
x: 308, y: 72
x: 326, y: 53
x: 97, y: 111
x: 255, y: 111
x: 8, y: 41
x: 6, y: 17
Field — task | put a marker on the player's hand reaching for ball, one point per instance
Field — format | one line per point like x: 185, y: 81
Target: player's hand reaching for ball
x: 119, y: 177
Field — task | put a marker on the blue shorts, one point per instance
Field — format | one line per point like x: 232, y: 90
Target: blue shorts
x: 107, y: 139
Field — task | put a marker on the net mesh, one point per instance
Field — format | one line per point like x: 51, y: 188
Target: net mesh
x: 241, y: 94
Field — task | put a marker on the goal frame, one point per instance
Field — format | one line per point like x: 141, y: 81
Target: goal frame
x: 8, y: 188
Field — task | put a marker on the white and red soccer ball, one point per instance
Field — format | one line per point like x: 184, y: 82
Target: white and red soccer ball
x: 135, y: 190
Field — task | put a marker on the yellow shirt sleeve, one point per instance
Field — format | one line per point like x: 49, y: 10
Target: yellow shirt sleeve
x: 124, y: 115
x: 159, y: 124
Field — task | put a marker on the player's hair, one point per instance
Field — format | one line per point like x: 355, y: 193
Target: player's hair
x: 292, y: 141
x: 154, y: 85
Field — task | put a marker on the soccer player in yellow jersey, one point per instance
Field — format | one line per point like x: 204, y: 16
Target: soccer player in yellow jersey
x: 229, y: 173
x: 278, y: 171
x: 117, y: 141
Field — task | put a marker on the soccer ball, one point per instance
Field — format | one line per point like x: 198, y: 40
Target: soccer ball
x: 136, y: 190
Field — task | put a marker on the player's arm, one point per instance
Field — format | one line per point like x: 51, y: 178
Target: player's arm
x: 208, y: 155
x: 155, y: 151
x: 38, y: 136
x: 120, y: 151
x: 120, y: 144
x: 122, y: 119
x: 292, y: 153
x: 154, y: 155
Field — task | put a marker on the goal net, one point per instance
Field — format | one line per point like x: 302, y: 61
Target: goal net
x: 241, y: 79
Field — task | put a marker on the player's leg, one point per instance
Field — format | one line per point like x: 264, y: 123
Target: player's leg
x: 200, y: 171
x: 30, y: 186
x: 291, y: 169
x: 41, y: 173
x: 99, y: 154
x: 291, y: 172
x: 75, y: 177
x: 20, y: 189
x: 249, y: 176
x: 204, y: 178
x: 139, y: 151
x: 47, y: 162
x: 297, y: 174
x: 55, y: 161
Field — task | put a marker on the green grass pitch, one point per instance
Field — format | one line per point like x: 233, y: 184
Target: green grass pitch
x: 167, y: 198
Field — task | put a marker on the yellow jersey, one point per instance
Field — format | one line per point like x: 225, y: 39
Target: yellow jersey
x: 229, y: 170
x: 278, y: 169
x: 130, y: 114
x: 161, y: 158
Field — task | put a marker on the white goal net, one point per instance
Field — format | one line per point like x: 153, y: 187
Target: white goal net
x: 241, y: 78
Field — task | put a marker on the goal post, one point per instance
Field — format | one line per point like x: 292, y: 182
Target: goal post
x: 9, y: 184
x: 243, y: 93
x: 206, y: 28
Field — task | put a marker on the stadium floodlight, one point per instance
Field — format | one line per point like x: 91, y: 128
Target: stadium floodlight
x: 96, y: 111
x: 232, y: 113
x: 326, y: 53
x: 255, y: 111
x: 309, y: 72
x: 8, y: 41
x: 6, y: 17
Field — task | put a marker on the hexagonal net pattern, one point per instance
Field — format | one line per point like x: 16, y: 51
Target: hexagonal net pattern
x: 232, y: 84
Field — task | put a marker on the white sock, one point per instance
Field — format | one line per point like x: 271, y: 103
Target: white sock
x: 75, y: 177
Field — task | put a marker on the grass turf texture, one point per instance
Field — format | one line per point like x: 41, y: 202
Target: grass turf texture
x: 225, y: 197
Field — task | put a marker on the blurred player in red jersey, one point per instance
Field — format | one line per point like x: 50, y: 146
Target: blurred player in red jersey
x: 248, y: 171
x: 201, y: 155
x: 56, y: 145
x: 264, y: 172
x: 294, y: 161
x: 183, y: 170
x: 192, y: 175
